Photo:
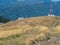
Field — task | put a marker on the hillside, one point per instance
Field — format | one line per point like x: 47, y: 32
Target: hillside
x: 3, y: 20
x: 16, y: 9
x: 20, y: 10
x: 31, y: 31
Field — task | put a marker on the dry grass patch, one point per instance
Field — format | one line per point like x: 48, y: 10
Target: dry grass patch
x: 27, y: 30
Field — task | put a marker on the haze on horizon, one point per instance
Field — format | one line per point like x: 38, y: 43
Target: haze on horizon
x: 55, y: 0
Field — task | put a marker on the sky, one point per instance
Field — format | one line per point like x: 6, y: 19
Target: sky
x: 56, y: 0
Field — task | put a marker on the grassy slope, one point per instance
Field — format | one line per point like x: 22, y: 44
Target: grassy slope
x: 30, y: 30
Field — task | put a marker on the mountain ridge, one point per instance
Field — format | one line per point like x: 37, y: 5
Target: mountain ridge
x: 16, y: 10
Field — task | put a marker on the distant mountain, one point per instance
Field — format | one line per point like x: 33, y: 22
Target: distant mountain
x: 28, y: 8
x: 8, y: 3
x: 3, y: 20
x: 57, y: 8
x: 16, y: 11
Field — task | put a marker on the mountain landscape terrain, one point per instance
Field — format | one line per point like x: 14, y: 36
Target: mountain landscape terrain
x: 14, y: 9
x: 25, y: 22
x: 43, y: 30
x: 3, y: 20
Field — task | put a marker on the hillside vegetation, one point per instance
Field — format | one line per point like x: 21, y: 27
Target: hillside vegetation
x: 3, y: 20
x: 16, y: 10
x: 31, y: 31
